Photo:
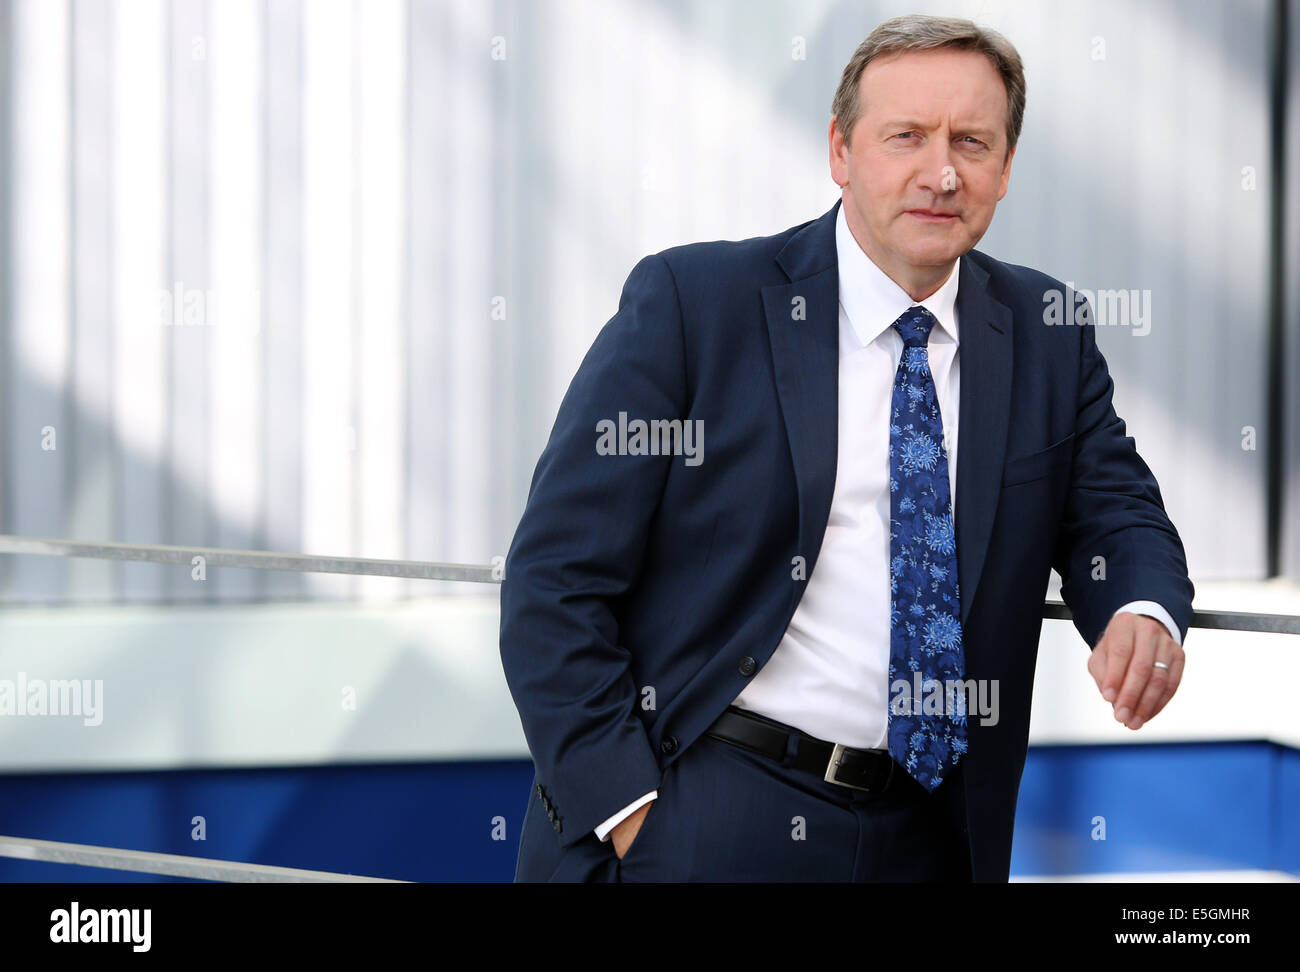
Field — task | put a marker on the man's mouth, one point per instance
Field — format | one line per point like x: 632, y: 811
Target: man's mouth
x: 933, y: 215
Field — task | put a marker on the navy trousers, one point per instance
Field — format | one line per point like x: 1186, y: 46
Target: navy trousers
x: 727, y: 814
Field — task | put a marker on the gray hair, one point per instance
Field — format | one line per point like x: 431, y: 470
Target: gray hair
x: 919, y: 32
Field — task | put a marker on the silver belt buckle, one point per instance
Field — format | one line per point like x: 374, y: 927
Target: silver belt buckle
x: 834, y: 764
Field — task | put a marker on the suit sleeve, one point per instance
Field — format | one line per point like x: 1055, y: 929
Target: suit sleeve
x: 1114, y: 511
x: 578, y: 549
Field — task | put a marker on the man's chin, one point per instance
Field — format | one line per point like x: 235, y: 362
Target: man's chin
x: 934, y: 256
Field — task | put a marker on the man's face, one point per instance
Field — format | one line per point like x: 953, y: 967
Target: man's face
x: 927, y: 164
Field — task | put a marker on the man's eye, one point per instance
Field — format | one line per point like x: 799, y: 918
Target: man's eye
x: 971, y: 139
x: 904, y: 134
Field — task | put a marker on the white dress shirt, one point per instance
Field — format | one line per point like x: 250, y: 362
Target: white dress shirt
x: 829, y: 674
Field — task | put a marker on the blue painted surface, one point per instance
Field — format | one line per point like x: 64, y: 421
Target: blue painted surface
x: 1177, y: 806
x: 414, y: 821
x: 1166, y: 807
x: 1286, y: 810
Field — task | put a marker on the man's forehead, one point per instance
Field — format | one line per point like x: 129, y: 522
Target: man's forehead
x: 945, y: 77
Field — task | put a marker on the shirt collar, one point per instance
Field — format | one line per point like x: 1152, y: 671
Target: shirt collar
x: 872, y: 301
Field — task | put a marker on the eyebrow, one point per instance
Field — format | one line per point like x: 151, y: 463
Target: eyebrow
x: 988, y: 134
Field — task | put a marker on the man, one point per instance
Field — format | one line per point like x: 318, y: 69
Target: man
x: 756, y: 611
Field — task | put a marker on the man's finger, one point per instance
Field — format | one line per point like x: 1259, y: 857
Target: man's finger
x: 1139, y: 672
x: 1155, y: 693
x: 1175, y: 677
x: 1119, y: 650
x: 1097, y: 662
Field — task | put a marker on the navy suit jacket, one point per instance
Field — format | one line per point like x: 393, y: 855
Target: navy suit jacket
x: 636, y: 572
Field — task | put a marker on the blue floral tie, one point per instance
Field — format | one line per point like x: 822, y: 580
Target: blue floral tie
x: 927, y: 719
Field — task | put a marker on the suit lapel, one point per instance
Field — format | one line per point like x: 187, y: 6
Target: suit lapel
x: 984, y: 403
x: 803, y: 329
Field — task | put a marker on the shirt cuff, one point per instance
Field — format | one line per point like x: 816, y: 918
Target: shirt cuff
x: 603, y: 830
x: 1153, y: 610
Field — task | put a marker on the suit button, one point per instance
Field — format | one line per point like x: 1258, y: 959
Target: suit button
x: 748, y: 666
x: 669, y: 745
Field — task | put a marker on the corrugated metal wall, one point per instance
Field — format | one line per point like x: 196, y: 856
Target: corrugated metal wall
x: 313, y: 276
x: 1291, y: 303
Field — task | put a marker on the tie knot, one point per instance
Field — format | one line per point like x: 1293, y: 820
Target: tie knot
x: 915, y: 325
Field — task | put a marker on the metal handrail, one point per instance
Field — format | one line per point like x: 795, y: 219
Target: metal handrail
x: 472, y: 573
x: 1216, y: 620
x: 261, y: 559
x: 171, y: 865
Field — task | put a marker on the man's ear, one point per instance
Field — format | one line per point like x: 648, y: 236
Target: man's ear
x: 837, y: 146
x: 1006, y: 173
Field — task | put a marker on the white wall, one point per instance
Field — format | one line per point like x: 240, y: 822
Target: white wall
x: 268, y: 684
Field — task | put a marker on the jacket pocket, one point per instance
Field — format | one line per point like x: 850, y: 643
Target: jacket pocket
x: 1036, y: 465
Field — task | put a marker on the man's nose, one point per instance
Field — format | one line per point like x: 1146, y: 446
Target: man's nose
x: 938, y: 173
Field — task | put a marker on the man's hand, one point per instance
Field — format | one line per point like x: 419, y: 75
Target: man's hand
x: 1122, y: 665
x: 626, y: 830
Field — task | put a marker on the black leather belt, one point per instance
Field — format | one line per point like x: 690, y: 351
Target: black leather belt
x: 873, y: 770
